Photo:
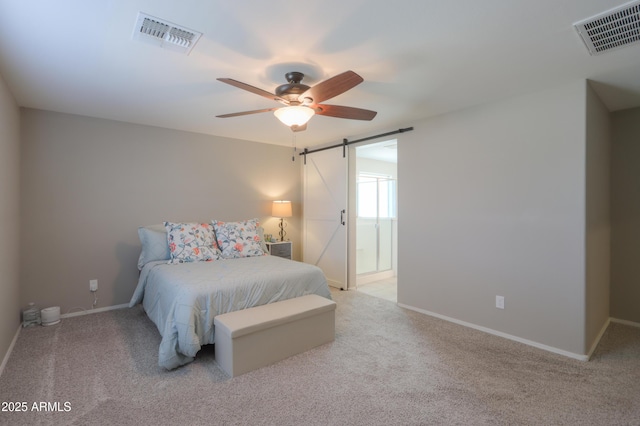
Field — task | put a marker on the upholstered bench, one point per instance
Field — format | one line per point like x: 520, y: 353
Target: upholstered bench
x: 252, y: 338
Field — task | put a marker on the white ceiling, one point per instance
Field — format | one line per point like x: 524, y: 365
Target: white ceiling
x: 386, y: 151
x: 418, y: 58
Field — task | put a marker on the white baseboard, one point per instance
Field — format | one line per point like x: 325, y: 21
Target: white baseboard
x: 94, y: 311
x: 625, y: 322
x: 596, y: 342
x: 499, y: 334
x: 13, y: 343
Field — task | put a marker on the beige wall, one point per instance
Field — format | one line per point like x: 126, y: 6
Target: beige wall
x: 598, y: 220
x: 9, y: 218
x: 492, y: 202
x: 87, y: 184
x: 625, y: 216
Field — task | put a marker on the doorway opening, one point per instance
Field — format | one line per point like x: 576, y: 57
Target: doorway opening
x: 376, y: 233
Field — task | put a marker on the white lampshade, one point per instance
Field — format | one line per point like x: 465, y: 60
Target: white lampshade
x: 294, y: 115
x: 281, y: 208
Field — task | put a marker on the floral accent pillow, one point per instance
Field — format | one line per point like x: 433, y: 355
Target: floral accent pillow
x: 238, y: 239
x: 191, y: 242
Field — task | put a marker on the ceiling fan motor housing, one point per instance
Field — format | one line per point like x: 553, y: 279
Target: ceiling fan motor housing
x: 293, y: 89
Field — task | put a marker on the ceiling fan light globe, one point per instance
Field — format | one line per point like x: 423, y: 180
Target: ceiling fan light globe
x: 294, y: 115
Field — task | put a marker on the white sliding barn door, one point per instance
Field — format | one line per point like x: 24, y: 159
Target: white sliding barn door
x: 325, y: 214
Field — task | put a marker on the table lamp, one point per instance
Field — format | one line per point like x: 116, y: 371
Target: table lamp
x: 281, y: 209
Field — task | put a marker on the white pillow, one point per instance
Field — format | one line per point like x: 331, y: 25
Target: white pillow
x: 154, y: 244
x: 191, y: 242
x: 238, y: 239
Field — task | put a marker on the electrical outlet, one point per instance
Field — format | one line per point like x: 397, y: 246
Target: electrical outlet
x: 93, y: 285
x: 500, y: 302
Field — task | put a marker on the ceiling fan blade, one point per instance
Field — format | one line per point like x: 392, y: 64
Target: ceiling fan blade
x: 344, y: 112
x: 237, y: 114
x: 252, y: 89
x: 332, y: 87
x: 295, y: 128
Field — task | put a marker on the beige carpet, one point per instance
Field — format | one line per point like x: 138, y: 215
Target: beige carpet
x: 387, y: 366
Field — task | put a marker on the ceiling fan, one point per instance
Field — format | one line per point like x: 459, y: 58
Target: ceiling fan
x: 302, y: 102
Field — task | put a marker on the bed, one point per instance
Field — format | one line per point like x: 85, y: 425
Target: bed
x: 182, y: 299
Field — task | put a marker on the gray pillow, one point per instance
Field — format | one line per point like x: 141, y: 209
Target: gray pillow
x: 154, y: 244
x: 262, y: 244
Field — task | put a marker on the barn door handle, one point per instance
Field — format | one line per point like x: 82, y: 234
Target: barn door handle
x: 342, y: 212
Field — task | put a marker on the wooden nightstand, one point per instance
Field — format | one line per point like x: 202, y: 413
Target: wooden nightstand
x: 280, y: 249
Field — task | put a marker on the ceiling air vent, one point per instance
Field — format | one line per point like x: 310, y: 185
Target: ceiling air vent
x: 164, y: 34
x: 610, y: 30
